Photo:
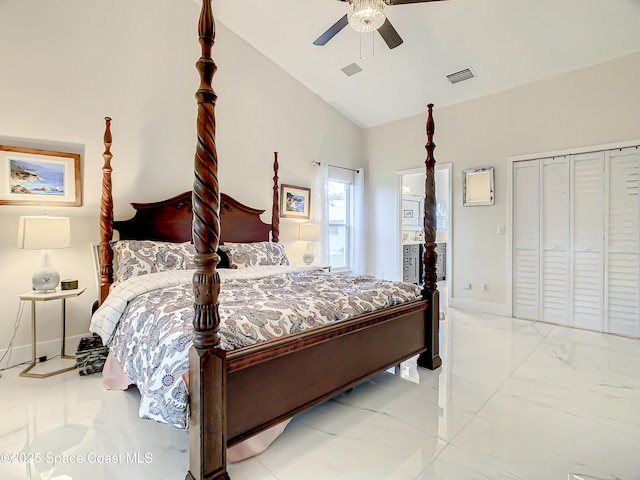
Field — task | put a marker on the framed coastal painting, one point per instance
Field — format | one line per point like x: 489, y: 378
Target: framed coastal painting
x: 295, y: 201
x: 39, y: 177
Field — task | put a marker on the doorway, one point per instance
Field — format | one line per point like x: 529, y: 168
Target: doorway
x: 410, y: 229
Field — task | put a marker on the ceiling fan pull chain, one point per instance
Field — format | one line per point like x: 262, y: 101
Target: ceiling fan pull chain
x: 360, y: 45
x: 373, y: 44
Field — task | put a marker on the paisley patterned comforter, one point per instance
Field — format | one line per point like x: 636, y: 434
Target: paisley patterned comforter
x: 147, y: 320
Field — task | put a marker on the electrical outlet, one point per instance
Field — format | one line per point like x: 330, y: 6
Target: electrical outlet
x: 42, y: 359
x: 485, y: 287
x: 500, y: 230
x: 467, y: 285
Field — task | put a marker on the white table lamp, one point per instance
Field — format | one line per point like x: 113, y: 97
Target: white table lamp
x: 44, y: 233
x: 309, y: 232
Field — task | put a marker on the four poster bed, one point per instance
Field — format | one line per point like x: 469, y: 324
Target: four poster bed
x: 243, y: 380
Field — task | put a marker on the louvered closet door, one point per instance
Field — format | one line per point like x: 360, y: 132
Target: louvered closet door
x: 554, y: 262
x: 526, y: 231
x: 622, y: 290
x: 588, y: 201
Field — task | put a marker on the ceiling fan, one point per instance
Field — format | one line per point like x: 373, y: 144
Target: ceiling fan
x: 366, y: 16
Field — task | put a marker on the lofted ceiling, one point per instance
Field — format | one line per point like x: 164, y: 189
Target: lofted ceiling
x: 506, y: 43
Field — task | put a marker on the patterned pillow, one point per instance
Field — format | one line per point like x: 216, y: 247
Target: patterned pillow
x: 242, y: 255
x: 139, y: 257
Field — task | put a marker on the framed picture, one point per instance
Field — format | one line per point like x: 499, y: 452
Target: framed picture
x: 294, y: 201
x: 39, y: 177
x: 411, y: 206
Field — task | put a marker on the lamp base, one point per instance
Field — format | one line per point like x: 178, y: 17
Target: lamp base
x: 308, y: 256
x: 46, y: 278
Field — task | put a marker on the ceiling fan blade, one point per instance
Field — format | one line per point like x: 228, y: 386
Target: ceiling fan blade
x: 332, y: 32
x: 390, y: 35
x: 405, y: 2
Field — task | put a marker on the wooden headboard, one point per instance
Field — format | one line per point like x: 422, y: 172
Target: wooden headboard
x: 172, y: 220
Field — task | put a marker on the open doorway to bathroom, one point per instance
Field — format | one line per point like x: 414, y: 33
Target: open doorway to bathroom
x: 410, y: 229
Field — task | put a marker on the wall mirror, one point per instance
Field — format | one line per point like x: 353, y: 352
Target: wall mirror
x: 478, y: 187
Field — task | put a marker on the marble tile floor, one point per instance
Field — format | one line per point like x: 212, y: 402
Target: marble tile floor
x: 514, y: 400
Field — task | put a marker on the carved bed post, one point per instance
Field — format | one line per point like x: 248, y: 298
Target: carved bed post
x: 431, y: 358
x: 207, y: 365
x: 105, y: 253
x: 275, y: 209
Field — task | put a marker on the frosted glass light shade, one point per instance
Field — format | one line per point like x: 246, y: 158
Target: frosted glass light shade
x: 44, y: 233
x: 366, y: 15
x: 309, y: 232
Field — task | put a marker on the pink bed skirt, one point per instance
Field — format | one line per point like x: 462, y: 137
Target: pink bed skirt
x: 114, y: 378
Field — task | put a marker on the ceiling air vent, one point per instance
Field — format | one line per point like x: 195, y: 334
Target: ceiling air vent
x: 460, y: 76
x: 352, y: 69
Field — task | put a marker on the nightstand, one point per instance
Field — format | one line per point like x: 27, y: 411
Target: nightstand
x: 34, y: 297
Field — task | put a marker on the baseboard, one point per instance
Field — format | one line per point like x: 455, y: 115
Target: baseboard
x: 478, y: 306
x: 50, y: 348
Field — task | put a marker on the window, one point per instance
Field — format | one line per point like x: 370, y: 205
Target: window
x: 339, y: 222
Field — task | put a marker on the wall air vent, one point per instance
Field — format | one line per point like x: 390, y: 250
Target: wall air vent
x: 460, y: 76
x: 352, y: 69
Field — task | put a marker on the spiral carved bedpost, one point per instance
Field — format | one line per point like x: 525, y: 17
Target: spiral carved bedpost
x: 431, y: 358
x: 105, y: 253
x: 207, y: 366
x: 275, y: 209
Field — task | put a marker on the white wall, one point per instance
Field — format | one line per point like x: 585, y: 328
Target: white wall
x: 597, y: 105
x: 67, y: 64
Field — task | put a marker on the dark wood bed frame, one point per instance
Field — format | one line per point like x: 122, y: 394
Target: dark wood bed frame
x: 289, y: 374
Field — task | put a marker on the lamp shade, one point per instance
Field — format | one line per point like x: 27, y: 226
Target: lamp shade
x: 44, y: 233
x: 309, y: 232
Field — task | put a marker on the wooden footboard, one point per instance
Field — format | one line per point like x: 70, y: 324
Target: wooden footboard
x: 272, y: 381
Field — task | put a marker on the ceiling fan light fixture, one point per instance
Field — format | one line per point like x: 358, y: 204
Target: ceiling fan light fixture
x: 366, y: 15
